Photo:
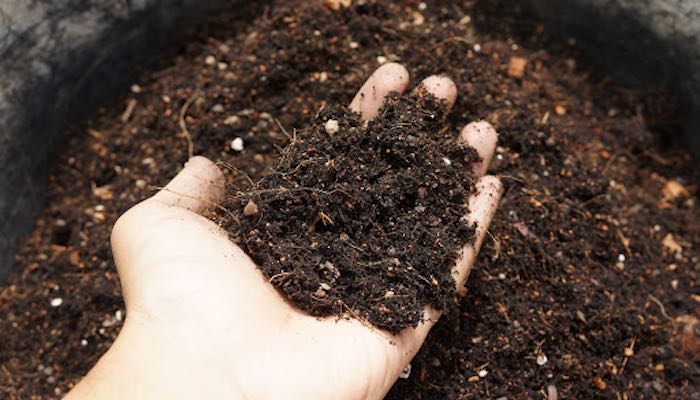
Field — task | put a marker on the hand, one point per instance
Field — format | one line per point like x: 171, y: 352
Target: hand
x: 202, y: 322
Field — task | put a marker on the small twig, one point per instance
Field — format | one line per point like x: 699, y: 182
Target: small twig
x: 625, y: 243
x: 358, y: 317
x: 183, y: 125
x: 380, y: 262
x: 497, y: 245
x: 320, y: 109
x: 130, y: 106
x: 238, y: 170
x: 423, y: 278
x: 512, y: 177
x: 207, y: 202
x: 278, y: 147
x: 280, y: 275
x: 283, y: 190
x: 279, y: 124
x: 663, y: 309
x: 326, y: 218
x: 451, y: 39
x: 9, y: 376
x: 624, y: 361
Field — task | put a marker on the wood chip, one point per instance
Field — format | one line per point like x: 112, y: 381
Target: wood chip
x: 673, y: 190
x: 130, y: 106
x: 516, y: 67
x: 688, y: 335
x: 670, y: 243
x: 418, y: 18
x: 250, y: 208
x: 599, y: 383
x: 95, y: 134
x: 103, y: 192
x: 337, y: 5
x: 74, y: 258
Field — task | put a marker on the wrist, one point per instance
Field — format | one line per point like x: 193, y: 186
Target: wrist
x: 146, y: 363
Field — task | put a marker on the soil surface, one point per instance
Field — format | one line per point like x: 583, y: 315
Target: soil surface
x: 585, y: 287
x: 365, y: 219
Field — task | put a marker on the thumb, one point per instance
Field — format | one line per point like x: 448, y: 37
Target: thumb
x: 197, y: 188
x: 482, y: 206
x: 167, y: 226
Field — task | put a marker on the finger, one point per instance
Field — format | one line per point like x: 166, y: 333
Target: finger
x: 441, y: 87
x: 482, y: 207
x: 388, y: 78
x: 410, y: 340
x: 198, y: 187
x: 482, y: 137
x: 150, y: 236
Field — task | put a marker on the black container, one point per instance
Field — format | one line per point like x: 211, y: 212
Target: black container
x: 58, y: 61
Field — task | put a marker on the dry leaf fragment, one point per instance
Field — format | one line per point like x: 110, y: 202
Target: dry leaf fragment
x: 250, y: 208
x: 673, y: 190
x: 516, y: 67
x: 336, y: 5
x: 670, y: 243
x: 103, y: 192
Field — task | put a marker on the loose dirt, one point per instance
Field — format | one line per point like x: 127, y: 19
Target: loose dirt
x: 590, y: 269
x: 365, y: 219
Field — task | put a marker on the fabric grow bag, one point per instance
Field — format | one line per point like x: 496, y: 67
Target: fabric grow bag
x: 58, y: 61
x: 643, y: 43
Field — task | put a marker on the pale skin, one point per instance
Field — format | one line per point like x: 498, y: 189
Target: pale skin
x: 203, y: 322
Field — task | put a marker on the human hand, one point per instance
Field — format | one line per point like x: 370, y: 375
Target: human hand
x: 203, y: 322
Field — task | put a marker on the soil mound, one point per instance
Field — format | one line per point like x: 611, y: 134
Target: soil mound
x: 363, y: 218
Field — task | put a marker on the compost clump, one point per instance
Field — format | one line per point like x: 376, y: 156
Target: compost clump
x: 362, y: 218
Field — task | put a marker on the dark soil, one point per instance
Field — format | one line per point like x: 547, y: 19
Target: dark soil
x: 592, y: 257
x: 365, y: 219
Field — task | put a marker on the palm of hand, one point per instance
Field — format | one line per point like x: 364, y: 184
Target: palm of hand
x: 206, y: 296
x: 184, y: 279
